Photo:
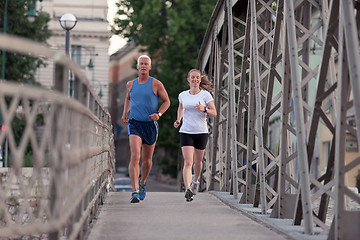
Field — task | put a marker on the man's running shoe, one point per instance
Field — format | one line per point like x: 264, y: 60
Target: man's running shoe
x: 194, y: 187
x: 142, y: 190
x: 189, y: 195
x: 135, y: 198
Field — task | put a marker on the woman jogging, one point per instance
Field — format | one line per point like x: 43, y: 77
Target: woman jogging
x: 194, y: 106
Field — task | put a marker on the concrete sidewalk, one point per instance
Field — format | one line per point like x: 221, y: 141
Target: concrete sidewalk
x: 284, y: 226
x: 166, y: 215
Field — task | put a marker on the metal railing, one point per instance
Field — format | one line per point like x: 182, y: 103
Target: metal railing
x: 68, y: 143
x: 292, y: 63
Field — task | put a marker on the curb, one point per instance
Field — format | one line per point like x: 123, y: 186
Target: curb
x: 281, y: 226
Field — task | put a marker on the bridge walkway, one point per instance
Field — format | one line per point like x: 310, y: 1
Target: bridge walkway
x: 166, y: 215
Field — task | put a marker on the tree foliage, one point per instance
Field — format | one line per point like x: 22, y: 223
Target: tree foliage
x: 171, y: 32
x: 19, y: 67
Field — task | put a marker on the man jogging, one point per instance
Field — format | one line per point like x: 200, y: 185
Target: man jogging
x: 142, y: 101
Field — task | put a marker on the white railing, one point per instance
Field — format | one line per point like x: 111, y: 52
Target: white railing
x: 68, y: 143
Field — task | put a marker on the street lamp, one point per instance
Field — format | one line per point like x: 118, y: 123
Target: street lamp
x: 67, y: 22
x: 100, y: 94
x: 90, y: 64
x: 77, y: 56
x: 31, y: 14
x: 99, y: 85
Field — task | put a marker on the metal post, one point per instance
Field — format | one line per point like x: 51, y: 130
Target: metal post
x: 256, y: 80
x: 67, y: 40
x: 3, y: 74
x: 299, y: 118
x: 232, y: 100
x: 6, y: 152
x: 1, y: 148
x: 4, y: 52
x: 67, y: 43
x: 352, y: 42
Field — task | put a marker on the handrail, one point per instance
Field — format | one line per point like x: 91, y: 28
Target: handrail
x: 69, y: 143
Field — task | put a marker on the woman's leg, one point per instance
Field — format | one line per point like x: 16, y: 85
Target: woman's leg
x: 188, y: 155
x: 199, y: 154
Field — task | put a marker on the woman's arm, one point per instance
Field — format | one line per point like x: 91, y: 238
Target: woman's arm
x: 179, y: 116
x: 211, y: 110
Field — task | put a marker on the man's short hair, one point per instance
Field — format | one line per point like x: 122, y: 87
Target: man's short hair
x: 144, y: 56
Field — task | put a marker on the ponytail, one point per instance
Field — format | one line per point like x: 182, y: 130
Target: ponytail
x: 205, y: 84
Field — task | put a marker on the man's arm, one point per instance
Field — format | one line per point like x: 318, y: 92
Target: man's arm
x: 160, y: 90
x: 164, y: 98
x: 125, y: 115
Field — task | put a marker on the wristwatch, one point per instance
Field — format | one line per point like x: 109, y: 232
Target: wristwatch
x: 159, y: 113
x: 205, y: 110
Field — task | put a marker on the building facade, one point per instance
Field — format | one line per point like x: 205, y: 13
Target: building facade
x: 89, y: 41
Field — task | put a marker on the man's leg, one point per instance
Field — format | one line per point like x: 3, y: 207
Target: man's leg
x: 147, y: 155
x: 134, y: 171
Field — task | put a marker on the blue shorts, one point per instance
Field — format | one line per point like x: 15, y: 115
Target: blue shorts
x: 147, y: 131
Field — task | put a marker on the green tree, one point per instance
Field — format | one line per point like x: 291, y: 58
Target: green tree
x: 171, y: 32
x: 19, y: 67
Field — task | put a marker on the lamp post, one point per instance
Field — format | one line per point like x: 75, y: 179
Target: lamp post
x: 31, y: 14
x: 67, y: 22
x: 77, y: 57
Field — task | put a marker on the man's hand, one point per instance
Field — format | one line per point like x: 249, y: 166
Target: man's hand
x: 124, y: 118
x: 154, y: 116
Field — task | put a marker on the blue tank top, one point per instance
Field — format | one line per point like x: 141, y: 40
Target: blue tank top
x: 143, y: 100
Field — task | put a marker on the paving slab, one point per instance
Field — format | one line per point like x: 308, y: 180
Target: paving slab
x: 166, y: 215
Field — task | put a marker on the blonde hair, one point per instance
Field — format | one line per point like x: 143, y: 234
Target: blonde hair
x: 205, y: 84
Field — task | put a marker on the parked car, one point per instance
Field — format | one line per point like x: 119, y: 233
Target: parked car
x: 122, y: 184
x: 122, y: 171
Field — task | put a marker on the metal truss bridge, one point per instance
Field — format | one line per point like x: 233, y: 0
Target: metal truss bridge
x: 286, y: 75
x: 286, y: 69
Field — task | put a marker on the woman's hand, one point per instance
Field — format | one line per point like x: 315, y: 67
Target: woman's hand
x: 176, y: 124
x: 200, y: 107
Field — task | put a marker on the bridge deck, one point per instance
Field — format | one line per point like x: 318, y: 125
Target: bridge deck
x: 166, y: 215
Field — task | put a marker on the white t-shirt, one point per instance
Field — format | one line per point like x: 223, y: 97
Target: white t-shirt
x: 194, y: 121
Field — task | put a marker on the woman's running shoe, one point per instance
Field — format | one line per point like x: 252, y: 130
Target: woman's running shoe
x: 189, y: 195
